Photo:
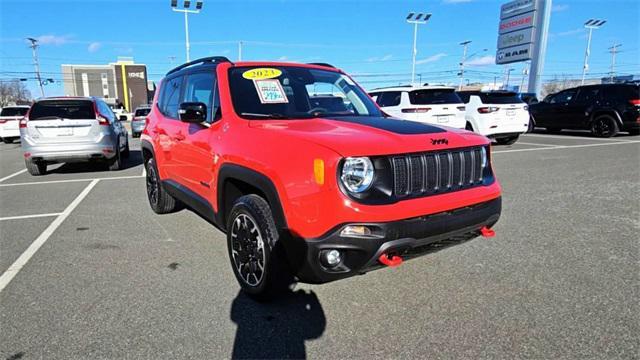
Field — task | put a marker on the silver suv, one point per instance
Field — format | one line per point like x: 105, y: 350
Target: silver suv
x: 71, y: 129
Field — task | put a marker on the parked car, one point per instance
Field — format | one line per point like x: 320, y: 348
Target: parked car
x: 426, y: 104
x: 304, y: 190
x: 528, y: 98
x: 604, y: 109
x: 9, y: 122
x: 499, y: 115
x: 71, y: 129
x: 139, y: 120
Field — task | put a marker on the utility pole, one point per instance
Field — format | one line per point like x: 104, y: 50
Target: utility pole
x: 34, y: 47
x: 591, y: 24
x: 613, y: 50
x: 525, y: 72
x: 464, y: 44
x: 416, y: 19
x: 187, y: 4
x: 506, y: 85
x: 239, y: 50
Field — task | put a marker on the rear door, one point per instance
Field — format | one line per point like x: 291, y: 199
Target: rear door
x: 579, y: 109
x: 65, y: 121
x: 438, y: 106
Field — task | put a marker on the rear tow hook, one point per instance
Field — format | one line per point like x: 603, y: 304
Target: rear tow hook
x: 486, y: 232
x: 390, y: 260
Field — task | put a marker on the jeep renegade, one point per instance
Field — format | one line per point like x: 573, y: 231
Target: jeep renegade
x: 309, y: 179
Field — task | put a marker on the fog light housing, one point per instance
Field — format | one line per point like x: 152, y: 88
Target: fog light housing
x: 331, y: 258
x: 355, y: 231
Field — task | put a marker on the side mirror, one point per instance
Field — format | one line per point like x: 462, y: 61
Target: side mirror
x: 122, y: 118
x: 193, y: 112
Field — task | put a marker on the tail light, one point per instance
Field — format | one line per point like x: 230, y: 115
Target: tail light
x: 635, y: 102
x: 462, y: 108
x: 415, y: 110
x: 2, y: 121
x: 23, y: 123
x: 488, y: 109
x: 102, y: 120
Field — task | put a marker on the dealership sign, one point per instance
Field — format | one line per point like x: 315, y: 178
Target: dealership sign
x: 517, y: 31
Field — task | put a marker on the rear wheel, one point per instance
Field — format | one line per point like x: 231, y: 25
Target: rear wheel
x: 36, y: 168
x: 507, y: 140
x: 256, y: 255
x: 115, y: 164
x: 604, y: 126
x: 159, y: 200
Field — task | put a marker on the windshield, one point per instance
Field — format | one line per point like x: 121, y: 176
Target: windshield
x: 14, y: 111
x: 290, y: 92
x: 434, y: 96
x: 62, y: 109
x: 500, y: 98
x: 142, y: 112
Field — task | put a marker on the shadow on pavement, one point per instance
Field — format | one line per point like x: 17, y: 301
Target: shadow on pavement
x: 276, y: 330
x: 134, y: 159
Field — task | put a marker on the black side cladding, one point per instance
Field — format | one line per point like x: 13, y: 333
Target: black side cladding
x: 393, y: 125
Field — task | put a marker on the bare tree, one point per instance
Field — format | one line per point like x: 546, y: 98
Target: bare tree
x: 13, y: 92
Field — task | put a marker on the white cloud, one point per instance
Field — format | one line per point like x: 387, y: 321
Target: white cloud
x: 431, y: 59
x: 559, y: 7
x: 571, y: 32
x: 455, y: 1
x: 482, y: 61
x: 94, y: 46
x: 380, y: 58
x: 53, y: 39
x: 282, y: 58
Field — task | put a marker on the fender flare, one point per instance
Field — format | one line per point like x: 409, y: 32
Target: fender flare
x: 146, y: 145
x: 606, y: 111
x: 259, y: 181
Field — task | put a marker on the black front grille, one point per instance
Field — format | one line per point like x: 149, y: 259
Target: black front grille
x: 437, y: 172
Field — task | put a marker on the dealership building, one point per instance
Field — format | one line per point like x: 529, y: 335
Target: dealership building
x: 123, y: 82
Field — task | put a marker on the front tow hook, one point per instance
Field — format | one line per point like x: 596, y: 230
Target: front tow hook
x: 390, y: 260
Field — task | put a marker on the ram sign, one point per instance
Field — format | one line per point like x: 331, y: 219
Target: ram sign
x: 517, y: 31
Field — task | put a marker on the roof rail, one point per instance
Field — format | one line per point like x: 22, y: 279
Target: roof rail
x: 210, y: 59
x: 322, y: 64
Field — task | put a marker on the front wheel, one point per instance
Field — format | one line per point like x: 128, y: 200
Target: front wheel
x: 159, y: 200
x: 507, y: 140
x: 256, y: 255
x: 604, y: 126
x: 36, y: 168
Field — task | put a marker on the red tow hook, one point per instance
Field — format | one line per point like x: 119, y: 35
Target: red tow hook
x: 390, y: 260
x: 486, y: 232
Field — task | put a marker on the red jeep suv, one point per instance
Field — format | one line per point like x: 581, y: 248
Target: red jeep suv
x: 305, y: 174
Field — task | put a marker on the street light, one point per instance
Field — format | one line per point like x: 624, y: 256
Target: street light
x: 416, y: 19
x: 509, y: 70
x: 464, y: 58
x: 591, y: 24
x: 186, y: 11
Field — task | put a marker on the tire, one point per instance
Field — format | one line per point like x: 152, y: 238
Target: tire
x: 531, y: 126
x: 159, y: 200
x: 115, y: 164
x: 507, y: 140
x: 604, y: 126
x: 36, y: 168
x: 252, y: 239
x: 126, y: 151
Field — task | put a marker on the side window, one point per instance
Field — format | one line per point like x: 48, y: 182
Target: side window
x: 202, y: 87
x: 465, y: 97
x: 563, y: 96
x: 389, y: 98
x: 374, y: 96
x: 171, y: 97
x: 588, y: 95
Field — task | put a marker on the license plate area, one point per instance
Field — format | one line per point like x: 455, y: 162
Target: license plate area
x: 66, y: 131
x: 442, y: 118
x: 511, y: 113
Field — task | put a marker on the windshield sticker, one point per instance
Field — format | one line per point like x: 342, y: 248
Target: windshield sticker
x: 261, y: 74
x: 270, y: 92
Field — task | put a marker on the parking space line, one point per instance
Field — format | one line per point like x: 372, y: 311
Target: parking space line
x: 565, y: 147
x: 70, y: 181
x: 577, y: 138
x: 13, y: 270
x: 28, y: 216
x: 12, y: 175
x: 534, y: 144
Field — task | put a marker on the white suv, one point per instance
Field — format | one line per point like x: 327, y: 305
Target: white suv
x: 499, y: 115
x: 439, y: 105
x: 9, y: 118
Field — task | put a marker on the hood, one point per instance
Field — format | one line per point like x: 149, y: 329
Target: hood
x: 371, y: 136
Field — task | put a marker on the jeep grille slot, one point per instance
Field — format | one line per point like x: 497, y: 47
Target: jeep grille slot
x: 436, y: 172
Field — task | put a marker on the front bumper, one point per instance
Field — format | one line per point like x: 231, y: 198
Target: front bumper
x: 407, y: 238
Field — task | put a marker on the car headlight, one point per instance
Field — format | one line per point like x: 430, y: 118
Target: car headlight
x: 357, y: 174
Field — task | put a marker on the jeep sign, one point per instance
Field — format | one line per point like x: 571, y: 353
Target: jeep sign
x: 514, y: 54
x: 516, y: 38
x: 518, y: 22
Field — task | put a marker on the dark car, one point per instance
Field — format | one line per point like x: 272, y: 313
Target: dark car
x: 604, y: 109
x: 528, y: 98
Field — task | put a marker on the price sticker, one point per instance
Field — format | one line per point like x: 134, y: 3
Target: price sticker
x: 270, y: 91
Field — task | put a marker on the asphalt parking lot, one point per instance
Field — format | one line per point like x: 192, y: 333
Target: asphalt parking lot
x: 89, y: 271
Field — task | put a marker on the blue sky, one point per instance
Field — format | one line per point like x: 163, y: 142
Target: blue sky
x: 370, y: 38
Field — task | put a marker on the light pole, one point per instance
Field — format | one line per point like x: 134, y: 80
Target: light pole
x: 186, y: 11
x: 464, y: 58
x: 416, y: 19
x: 506, y: 85
x: 592, y: 24
x: 34, y: 47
